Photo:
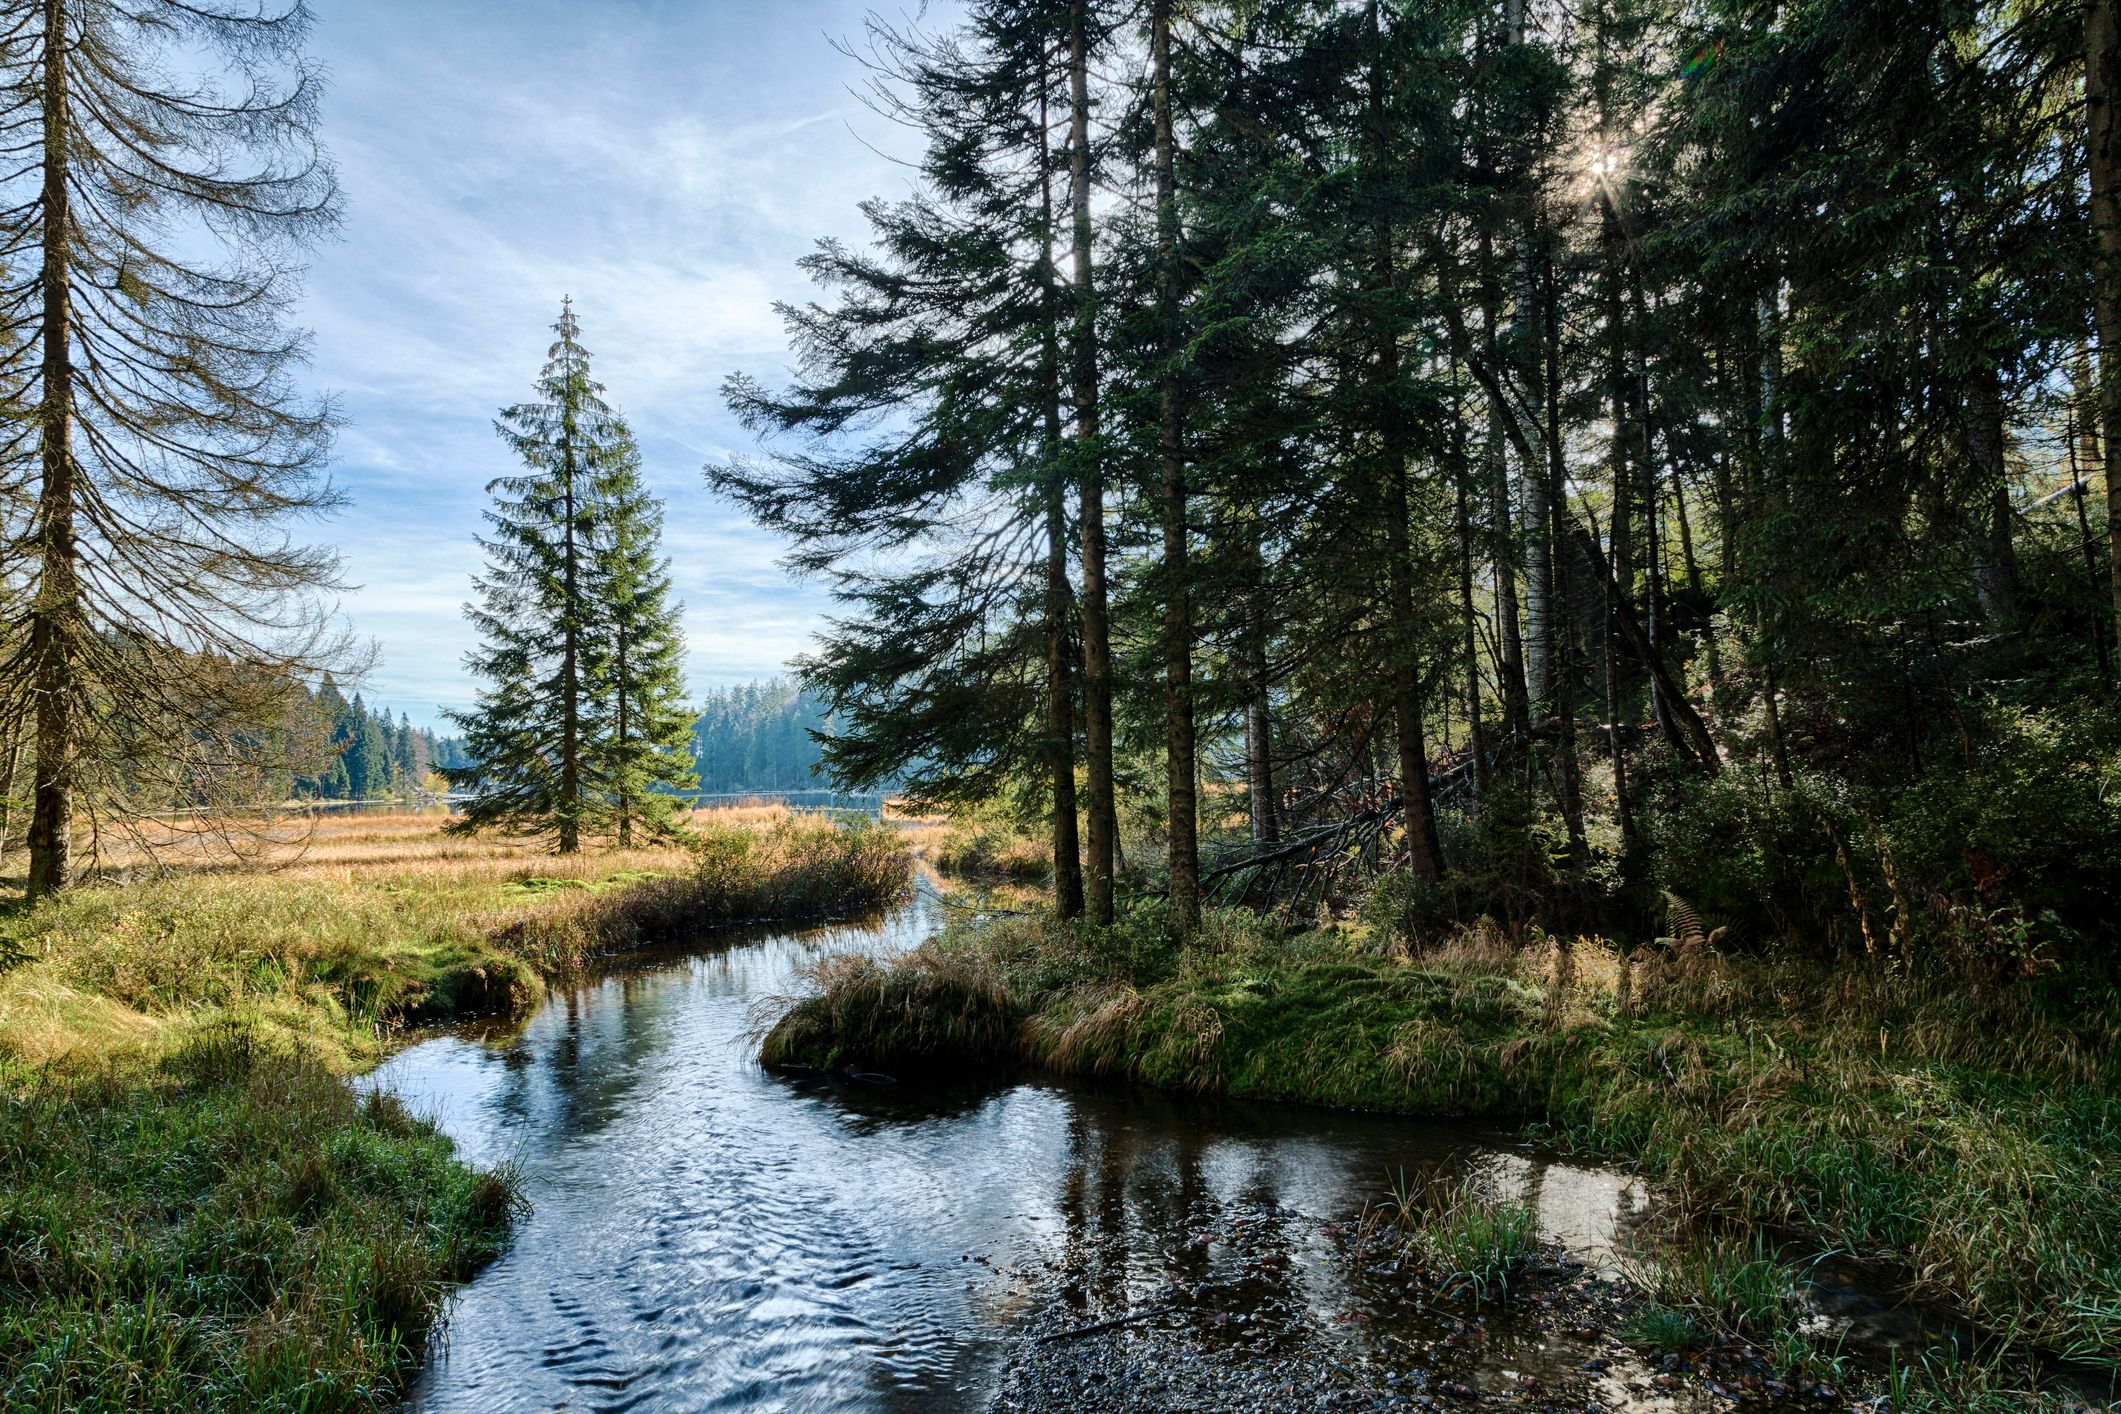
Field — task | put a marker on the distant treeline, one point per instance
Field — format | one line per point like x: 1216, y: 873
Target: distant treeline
x: 757, y: 737
x: 370, y: 757
x: 754, y: 736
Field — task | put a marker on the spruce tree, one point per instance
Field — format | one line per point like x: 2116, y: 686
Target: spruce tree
x: 530, y: 736
x: 644, y: 751
x: 164, y: 178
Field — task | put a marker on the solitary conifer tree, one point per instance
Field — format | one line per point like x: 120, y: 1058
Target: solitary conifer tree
x: 529, y: 736
x: 647, y: 738
x: 165, y: 445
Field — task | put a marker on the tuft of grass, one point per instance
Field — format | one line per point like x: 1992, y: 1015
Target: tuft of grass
x: 1735, y: 1285
x: 1665, y: 1330
x: 229, y: 1228
x: 985, y: 849
x: 1470, y: 1241
x: 931, y: 1012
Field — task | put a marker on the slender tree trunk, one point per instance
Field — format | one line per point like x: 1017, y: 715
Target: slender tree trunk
x: 1259, y: 719
x: 1179, y: 770
x: 1619, y: 583
x: 2083, y: 456
x: 1545, y: 621
x: 570, y: 820
x: 1097, y: 640
x: 1060, y: 693
x: 1726, y: 499
x: 1614, y: 750
x: 1516, y: 707
x: 1469, y: 625
x: 55, y: 618
x: 1424, y: 850
x: 1562, y: 690
x: 1622, y: 528
x: 623, y: 729
x: 1995, y: 562
x: 2102, y: 71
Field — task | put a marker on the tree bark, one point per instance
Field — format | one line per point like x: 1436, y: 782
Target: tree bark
x: 1060, y: 693
x: 1516, y: 706
x: 622, y: 727
x: 1182, y: 826
x: 1995, y: 561
x: 55, y: 619
x: 1097, y: 635
x: 570, y: 821
x: 2102, y: 70
x: 1469, y: 623
x: 1424, y: 850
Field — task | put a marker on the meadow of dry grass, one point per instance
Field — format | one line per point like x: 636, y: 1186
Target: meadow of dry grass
x: 333, y: 929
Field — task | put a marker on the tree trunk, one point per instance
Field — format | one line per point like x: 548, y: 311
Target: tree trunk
x: 2102, y: 70
x: 570, y: 822
x: 1060, y: 703
x: 2083, y: 456
x: 1097, y: 639
x: 1516, y: 708
x: 621, y: 726
x: 1181, y: 823
x: 1561, y: 695
x: 1469, y: 622
x: 55, y: 619
x: 1424, y: 851
x: 1995, y: 562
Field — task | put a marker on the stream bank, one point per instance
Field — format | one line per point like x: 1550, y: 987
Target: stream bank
x: 705, y: 1235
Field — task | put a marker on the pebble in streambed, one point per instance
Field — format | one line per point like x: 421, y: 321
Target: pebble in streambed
x: 1396, y: 1344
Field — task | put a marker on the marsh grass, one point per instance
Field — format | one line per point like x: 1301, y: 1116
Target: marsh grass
x: 984, y: 847
x: 195, y: 1210
x: 376, y: 922
x: 1471, y: 1242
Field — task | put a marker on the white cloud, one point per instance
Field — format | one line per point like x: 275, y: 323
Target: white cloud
x: 666, y: 164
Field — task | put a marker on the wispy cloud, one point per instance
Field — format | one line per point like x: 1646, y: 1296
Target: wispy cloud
x: 666, y: 162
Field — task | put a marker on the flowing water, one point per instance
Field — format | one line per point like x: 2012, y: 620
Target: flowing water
x: 708, y: 1236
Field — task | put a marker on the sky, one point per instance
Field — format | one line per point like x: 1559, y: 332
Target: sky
x: 665, y: 163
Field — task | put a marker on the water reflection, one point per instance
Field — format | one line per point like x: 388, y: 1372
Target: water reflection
x: 709, y: 1237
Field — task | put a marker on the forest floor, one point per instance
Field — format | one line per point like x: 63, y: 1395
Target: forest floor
x: 1962, y: 1143
x: 195, y: 1211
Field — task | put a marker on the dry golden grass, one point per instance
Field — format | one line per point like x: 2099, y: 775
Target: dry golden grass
x: 353, y: 923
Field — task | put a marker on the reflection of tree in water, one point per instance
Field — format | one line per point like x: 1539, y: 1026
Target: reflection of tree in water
x: 1143, y: 1222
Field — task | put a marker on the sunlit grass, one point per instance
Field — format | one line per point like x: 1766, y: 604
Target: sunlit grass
x: 372, y: 921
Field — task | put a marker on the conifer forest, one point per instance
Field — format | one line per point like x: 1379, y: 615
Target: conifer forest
x: 1094, y: 705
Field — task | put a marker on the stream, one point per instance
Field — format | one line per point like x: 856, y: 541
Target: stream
x: 708, y: 1236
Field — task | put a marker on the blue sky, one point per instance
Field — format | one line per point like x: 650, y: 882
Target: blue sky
x: 665, y: 162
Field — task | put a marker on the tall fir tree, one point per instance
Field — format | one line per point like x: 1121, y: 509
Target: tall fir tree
x: 537, y: 614
x: 164, y: 178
